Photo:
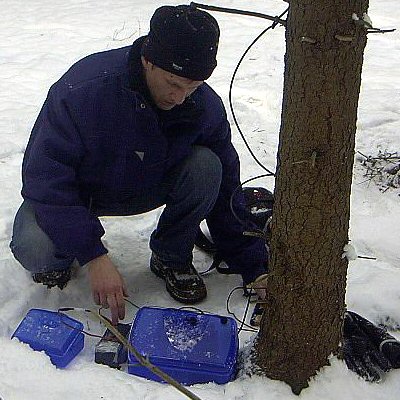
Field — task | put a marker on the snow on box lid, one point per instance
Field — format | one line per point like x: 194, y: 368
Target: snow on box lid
x: 56, y: 334
x: 185, y: 339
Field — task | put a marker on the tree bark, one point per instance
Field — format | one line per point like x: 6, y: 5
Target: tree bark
x: 301, y: 326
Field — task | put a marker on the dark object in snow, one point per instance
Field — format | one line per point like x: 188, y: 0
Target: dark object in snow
x: 204, y: 243
x: 392, y: 169
x: 368, y: 350
x: 184, y: 285
x: 259, y: 203
x: 386, y: 343
x: 389, y: 323
x: 383, y: 169
x: 109, y: 350
x: 53, y: 278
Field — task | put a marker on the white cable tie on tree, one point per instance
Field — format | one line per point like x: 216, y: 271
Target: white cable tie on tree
x: 365, y: 20
x: 349, y: 252
x: 366, y: 23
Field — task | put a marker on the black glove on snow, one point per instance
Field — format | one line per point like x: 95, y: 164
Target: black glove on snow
x: 360, y: 353
x: 386, y: 343
x: 368, y: 350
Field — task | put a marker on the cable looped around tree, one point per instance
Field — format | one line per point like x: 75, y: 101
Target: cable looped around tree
x: 276, y: 20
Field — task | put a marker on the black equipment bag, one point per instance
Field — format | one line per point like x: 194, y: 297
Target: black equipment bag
x: 259, y: 203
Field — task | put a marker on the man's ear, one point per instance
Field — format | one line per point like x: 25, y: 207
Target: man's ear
x: 147, y: 65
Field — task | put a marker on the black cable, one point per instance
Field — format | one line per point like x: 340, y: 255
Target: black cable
x: 276, y: 20
x: 241, y: 321
x: 131, y: 303
x: 245, y: 313
x: 240, y: 12
x: 249, y: 330
x: 272, y: 26
x: 193, y: 308
x: 61, y: 311
x: 270, y: 173
x: 242, y: 327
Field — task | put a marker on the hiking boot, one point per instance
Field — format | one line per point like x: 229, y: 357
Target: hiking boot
x: 184, y: 285
x: 53, y: 278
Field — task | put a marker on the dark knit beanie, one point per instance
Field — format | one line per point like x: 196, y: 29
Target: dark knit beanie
x: 183, y: 40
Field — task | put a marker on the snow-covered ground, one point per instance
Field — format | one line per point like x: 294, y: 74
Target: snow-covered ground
x: 40, y: 40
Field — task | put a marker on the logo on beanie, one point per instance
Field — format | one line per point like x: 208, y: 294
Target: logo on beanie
x: 177, y: 67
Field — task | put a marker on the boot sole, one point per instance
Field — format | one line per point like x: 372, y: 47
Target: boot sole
x: 178, y: 295
x: 53, y: 284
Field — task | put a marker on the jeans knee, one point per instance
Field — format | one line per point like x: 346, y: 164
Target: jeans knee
x: 31, y: 246
x: 206, y: 169
x: 31, y: 252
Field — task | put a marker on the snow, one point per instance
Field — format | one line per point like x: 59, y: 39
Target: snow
x: 184, y: 335
x: 40, y: 40
x: 349, y: 252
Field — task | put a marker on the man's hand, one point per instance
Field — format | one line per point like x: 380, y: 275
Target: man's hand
x: 108, y: 287
x: 260, y: 286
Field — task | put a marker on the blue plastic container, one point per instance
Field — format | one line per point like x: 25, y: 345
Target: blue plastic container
x: 188, y: 346
x: 56, y: 334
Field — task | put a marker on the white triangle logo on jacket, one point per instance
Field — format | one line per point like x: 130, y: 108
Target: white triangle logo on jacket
x: 140, y: 154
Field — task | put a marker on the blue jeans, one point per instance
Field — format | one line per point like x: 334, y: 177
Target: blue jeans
x: 189, y: 192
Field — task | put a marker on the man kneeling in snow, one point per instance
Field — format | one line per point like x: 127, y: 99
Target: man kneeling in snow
x: 124, y: 132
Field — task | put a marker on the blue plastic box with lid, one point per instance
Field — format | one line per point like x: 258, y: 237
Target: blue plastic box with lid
x: 189, y: 346
x: 54, y: 333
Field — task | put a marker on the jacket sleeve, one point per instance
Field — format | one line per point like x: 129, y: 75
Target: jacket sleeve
x: 49, y: 174
x: 245, y: 255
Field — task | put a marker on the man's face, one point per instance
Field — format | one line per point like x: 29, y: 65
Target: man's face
x: 167, y: 90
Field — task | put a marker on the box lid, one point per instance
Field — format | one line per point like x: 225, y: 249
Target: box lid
x: 48, y: 330
x: 186, y: 339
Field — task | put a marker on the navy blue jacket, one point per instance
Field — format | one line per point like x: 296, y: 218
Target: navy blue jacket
x: 82, y: 150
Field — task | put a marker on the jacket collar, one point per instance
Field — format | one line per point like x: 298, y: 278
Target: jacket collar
x: 137, y: 80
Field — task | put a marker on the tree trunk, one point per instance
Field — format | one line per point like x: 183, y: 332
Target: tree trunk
x: 301, y: 326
